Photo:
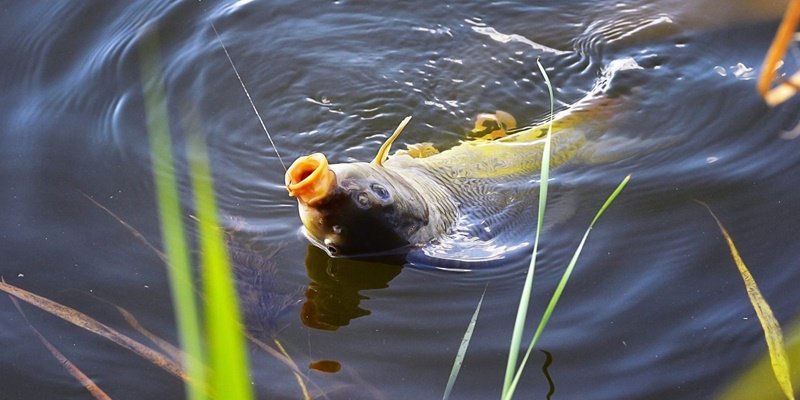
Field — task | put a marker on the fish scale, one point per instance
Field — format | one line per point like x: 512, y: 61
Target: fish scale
x: 475, y: 196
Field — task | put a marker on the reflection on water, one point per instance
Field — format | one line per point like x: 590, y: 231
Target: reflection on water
x: 333, y: 295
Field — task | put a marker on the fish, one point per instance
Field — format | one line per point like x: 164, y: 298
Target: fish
x: 424, y: 199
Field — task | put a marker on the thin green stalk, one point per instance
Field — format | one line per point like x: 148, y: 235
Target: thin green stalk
x: 462, y: 349
x: 560, y: 288
x: 522, y: 310
x: 227, y: 353
x: 169, y: 211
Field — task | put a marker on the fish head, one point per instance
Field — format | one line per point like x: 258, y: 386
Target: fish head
x: 355, y: 209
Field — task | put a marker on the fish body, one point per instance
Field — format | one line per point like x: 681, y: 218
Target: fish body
x: 467, y: 193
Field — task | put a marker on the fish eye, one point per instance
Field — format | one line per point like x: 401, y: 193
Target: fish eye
x: 380, y: 191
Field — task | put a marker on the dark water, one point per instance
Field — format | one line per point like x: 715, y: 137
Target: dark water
x: 655, y: 308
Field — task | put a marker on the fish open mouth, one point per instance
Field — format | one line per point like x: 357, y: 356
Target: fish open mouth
x: 310, y: 179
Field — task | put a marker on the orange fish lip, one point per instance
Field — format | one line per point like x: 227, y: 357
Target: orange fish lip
x: 309, y: 178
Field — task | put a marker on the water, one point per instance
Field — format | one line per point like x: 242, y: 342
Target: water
x: 655, y: 308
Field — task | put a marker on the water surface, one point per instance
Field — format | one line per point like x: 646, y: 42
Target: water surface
x: 655, y: 308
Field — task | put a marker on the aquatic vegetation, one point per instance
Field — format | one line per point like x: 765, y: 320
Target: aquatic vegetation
x: 513, y: 369
x: 227, y: 353
x: 175, y: 244
x: 772, y: 329
x: 227, y: 358
x: 263, y: 300
x: 90, y: 324
x: 254, y: 276
x: 462, y: 349
x: 71, y: 368
x: 224, y: 371
x: 561, y: 284
x: 522, y: 310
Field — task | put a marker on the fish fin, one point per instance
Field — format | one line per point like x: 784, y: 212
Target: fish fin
x: 507, y: 121
x: 493, y: 126
x: 419, y: 150
x: 383, y: 152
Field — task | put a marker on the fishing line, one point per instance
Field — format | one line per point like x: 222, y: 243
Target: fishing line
x: 250, y: 99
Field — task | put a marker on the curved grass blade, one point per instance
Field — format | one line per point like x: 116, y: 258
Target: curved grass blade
x: 71, y: 368
x: 561, y: 285
x: 522, y: 310
x: 770, y: 325
x: 462, y: 349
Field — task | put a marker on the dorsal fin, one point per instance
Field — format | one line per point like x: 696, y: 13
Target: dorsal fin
x: 383, y: 152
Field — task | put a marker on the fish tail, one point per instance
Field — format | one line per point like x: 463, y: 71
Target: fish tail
x: 591, y: 114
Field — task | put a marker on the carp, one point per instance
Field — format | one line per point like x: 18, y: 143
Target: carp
x: 426, y: 198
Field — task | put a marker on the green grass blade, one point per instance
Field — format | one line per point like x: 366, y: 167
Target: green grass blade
x: 227, y: 353
x: 772, y: 329
x: 462, y: 349
x: 169, y: 211
x: 561, y: 285
x: 522, y: 310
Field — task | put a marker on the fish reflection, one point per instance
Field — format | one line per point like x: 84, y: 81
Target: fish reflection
x: 332, y: 296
